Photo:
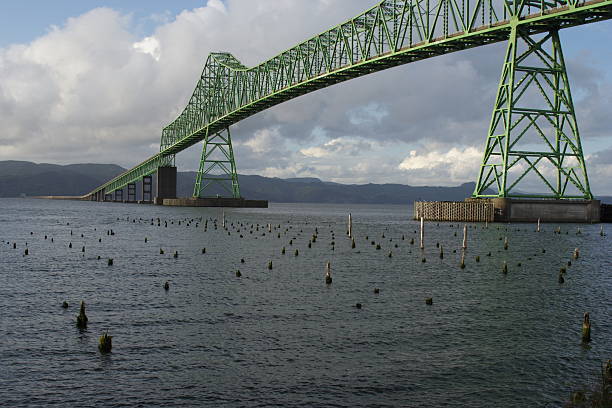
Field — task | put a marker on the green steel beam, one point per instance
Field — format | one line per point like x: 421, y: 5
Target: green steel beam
x: 533, y: 108
x: 392, y: 33
x: 217, y: 155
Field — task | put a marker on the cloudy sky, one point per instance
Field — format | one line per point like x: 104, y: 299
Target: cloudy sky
x: 96, y: 81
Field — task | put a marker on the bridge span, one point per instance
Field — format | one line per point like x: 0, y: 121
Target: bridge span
x: 392, y: 33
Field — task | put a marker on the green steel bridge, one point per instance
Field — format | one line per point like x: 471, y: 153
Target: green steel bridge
x: 392, y: 33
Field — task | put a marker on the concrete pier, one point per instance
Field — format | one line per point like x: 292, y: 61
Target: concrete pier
x: 147, y: 190
x: 131, y: 193
x: 606, y: 213
x: 215, y: 202
x: 526, y: 210
x: 118, y: 196
x: 166, y: 184
x: 510, y: 210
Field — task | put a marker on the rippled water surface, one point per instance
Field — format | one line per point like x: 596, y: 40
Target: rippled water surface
x: 281, y: 337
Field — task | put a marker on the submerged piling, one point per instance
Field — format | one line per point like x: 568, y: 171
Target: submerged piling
x: 328, y: 278
x: 105, y: 343
x: 82, y: 317
x: 586, y: 328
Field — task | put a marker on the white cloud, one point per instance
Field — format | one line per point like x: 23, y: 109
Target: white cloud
x: 342, y: 146
x: 217, y: 5
x: 452, y: 166
x: 93, y: 91
x: 315, y: 151
x: 454, y: 158
x: 150, y: 46
x: 265, y: 141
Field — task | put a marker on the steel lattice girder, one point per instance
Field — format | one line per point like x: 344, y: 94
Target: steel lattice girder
x: 217, y: 154
x: 533, y: 108
x: 392, y: 33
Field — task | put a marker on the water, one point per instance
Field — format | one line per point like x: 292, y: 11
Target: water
x: 281, y: 337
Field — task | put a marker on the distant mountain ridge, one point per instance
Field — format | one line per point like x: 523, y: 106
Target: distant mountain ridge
x: 19, y: 178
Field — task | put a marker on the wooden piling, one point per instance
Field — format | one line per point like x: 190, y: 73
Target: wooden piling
x: 328, y: 278
x: 422, y: 233
x: 82, y: 317
x: 586, y: 328
x: 105, y: 343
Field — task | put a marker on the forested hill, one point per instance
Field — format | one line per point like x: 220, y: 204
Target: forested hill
x: 19, y: 178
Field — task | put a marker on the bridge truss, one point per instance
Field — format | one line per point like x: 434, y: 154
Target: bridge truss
x: 392, y: 33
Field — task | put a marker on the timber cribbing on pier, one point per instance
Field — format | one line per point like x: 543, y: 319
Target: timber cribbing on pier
x: 468, y: 211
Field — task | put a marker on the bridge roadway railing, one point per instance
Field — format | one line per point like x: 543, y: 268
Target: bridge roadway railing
x: 392, y: 33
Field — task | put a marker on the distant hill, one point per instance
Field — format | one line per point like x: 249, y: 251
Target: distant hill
x: 21, y: 177
x: 31, y: 179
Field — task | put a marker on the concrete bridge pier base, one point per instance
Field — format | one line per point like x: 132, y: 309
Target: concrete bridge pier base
x: 511, y: 210
x: 166, y: 184
x: 119, y: 196
x: 131, y: 193
x: 529, y: 210
x: 147, y: 190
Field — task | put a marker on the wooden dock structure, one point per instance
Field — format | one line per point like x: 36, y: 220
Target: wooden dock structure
x: 468, y: 211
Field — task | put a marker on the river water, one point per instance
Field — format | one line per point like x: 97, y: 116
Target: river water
x: 281, y: 336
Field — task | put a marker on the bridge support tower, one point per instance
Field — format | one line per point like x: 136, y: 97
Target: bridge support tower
x: 533, y: 147
x: 217, y: 174
x: 166, y: 184
x: 131, y: 193
x: 146, y: 190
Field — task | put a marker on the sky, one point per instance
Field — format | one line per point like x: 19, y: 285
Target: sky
x: 95, y: 81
